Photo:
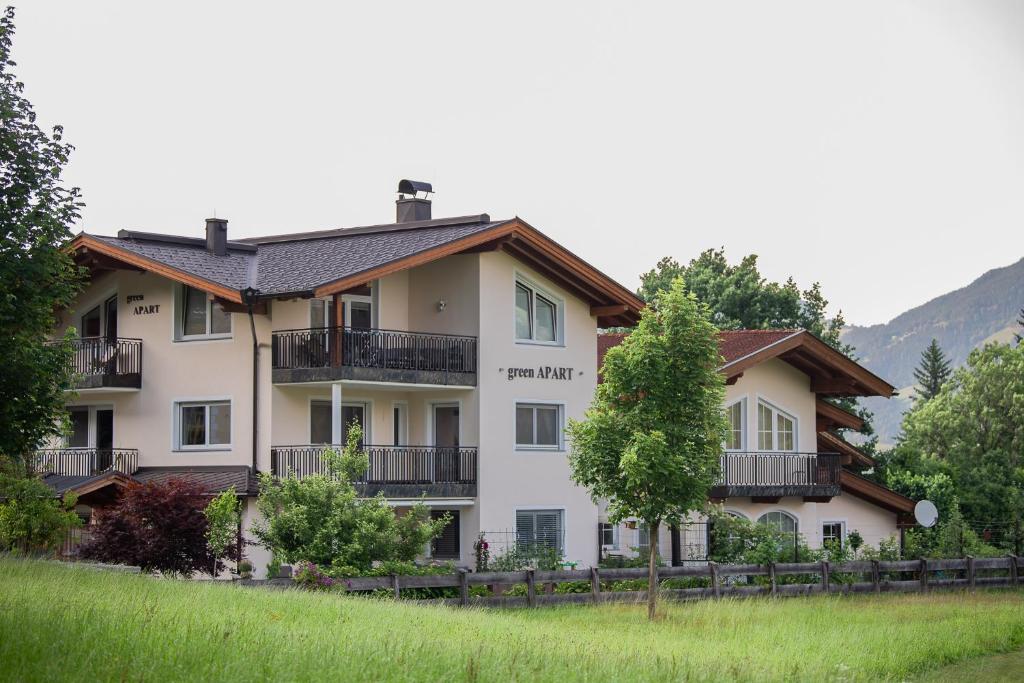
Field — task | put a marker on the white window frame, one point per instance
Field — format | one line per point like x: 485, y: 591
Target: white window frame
x: 551, y: 297
x: 400, y: 411
x: 178, y: 325
x: 842, y: 530
x: 542, y: 508
x: 431, y: 405
x: 90, y: 430
x: 560, y: 425
x: 776, y: 410
x: 616, y: 536
x: 743, y: 424
x: 179, y: 403
x: 787, y: 513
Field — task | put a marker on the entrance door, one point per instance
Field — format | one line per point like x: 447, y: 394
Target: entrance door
x: 446, y: 443
x: 104, y: 439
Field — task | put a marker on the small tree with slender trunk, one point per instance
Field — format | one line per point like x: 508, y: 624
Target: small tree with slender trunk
x: 651, y: 440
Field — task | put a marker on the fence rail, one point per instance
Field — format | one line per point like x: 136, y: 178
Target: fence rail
x: 387, y: 464
x: 881, y: 576
x: 106, y: 356
x: 373, y: 348
x: 84, y: 462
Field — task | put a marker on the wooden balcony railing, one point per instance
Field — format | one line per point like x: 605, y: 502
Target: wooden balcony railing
x: 85, y: 462
x: 107, y: 362
x: 396, y: 470
x: 778, y: 474
x: 406, y: 353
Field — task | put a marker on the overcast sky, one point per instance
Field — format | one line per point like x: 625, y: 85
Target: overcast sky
x: 877, y: 147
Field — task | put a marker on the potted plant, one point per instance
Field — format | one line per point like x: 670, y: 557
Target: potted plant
x: 245, y: 569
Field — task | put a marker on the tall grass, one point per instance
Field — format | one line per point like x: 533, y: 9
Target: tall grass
x: 67, y: 623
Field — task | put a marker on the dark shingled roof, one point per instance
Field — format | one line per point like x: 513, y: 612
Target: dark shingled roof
x: 299, y: 263
x: 212, y: 478
x: 63, y: 483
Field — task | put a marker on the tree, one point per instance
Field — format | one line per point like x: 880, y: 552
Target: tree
x: 651, y: 439
x: 37, y: 276
x: 1020, y: 321
x: 322, y: 519
x: 933, y: 371
x: 31, y: 519
x: 156, y: 526
x: 974, y: 430
x: 223, y: 517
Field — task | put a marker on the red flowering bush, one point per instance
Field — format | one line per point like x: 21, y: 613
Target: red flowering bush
x: 309, y: 576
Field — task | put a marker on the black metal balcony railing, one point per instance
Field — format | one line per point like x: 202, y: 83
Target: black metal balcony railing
x: 388, y: 464
x: 85, y: 462
x: 778, y: 474
x: 370, y: 348
x: 107, y: 362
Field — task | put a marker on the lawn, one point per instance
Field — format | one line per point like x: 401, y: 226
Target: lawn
x: 65, y: 623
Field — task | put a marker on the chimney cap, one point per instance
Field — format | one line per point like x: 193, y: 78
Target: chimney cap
x: 411, y: 187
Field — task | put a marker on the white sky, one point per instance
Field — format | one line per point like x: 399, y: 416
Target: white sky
x: 875, y: 146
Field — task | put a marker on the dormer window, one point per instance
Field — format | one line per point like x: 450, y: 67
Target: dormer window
x: 538, y: 315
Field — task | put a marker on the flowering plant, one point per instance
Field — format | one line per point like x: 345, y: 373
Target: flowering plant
x: 483, y: 553
x: 309, y: 576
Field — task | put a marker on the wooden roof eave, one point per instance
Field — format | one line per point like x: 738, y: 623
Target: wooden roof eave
x: 833, y: 415
x: 830, y: 442
x: 84, y: 241
x: 875, y: 494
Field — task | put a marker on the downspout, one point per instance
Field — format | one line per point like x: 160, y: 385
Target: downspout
x: 249, y: 296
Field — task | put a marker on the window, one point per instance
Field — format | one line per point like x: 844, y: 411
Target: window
x: 446, y: 546
x: 90, y: 427
x: 91, y: 323
x: 609, y: 535
x: 538, y: 426
x: 539, y: 528
x: 781, y: 521
x: 643, y: 536
x: 734, y: 436
x: 400, y: 426
x: 317, y: 314
x: 320, y: 428
x: 833, y: 534
x: 537, y: 315
x: 199, y: 316
x: 776, y: 431
x: 204, y: 425
x: 78, y: 437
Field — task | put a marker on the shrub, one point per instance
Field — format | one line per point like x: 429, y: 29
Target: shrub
x: 523, y: 556
x: 310, y: 577
x: 223, y: 516
x: 31, y: 519
x: 157, y: 526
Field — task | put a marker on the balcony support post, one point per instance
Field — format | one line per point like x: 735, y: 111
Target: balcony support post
x: 337, y: 428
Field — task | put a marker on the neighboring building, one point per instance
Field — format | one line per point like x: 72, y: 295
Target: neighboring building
x: 461, y: 345
x: 784, y: 464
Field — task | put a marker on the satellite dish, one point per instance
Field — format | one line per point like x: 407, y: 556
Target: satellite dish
x: 926, y: 513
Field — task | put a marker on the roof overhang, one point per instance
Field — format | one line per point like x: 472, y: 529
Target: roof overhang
x: 831, y: 372
x: 831, y: 416
x: 611, y: 303
x: 878, y: 495
x: 97, y: 254
x: 851, y: 455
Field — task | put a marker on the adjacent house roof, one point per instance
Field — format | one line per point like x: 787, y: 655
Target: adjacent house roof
x: 833, y: 443
x: 332, y: 261
x: 831, y: 372
x: 212, y: 479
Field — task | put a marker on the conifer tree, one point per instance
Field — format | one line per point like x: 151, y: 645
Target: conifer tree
x: 933, y: 371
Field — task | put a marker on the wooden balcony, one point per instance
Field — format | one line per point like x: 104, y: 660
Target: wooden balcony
x: 85, y: 462
x: 395, y: 471
x: 371, y: 355
x: 768, y: 476
x: 107, y: 363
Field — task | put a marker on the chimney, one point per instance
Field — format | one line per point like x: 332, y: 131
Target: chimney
x: 217, y: 236
x: 410, y: 205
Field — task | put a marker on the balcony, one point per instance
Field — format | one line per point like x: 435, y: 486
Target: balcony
x: 85, y: 462
x: 107, y: 363
x: 369, y: 355
x: 395, y: 471
x: 772, y: 475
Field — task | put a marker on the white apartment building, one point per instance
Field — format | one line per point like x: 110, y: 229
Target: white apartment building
x: 461, y: 345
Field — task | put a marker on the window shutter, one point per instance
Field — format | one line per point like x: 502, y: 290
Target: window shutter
x: 549, y: 528
x: 524, y: 527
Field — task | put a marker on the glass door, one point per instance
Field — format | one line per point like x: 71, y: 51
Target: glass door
x: 104, y: 439
x: 446, y: 443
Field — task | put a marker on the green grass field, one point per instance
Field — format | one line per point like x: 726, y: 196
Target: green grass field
x: 65, y: 623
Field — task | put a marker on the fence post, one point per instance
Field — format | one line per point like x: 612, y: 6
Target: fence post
x: 595, y: 583
x: 771, y: 576
x: 924, y: 575
x: 395, y: 585
x: 531, y: 588
x: 1013, y: 569
x: 715, y: 590
x: 970, y: 571
x: 463, y: 587
x: 876, y: 576
x: 825, y: 576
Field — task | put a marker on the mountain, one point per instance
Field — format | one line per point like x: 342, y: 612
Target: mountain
x: 985, y: 310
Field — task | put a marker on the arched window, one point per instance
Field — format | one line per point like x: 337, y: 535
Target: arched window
x: 737, y: 515
x: 781, y: 521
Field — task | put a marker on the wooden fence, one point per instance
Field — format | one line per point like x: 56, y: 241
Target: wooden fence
x: 861, y: 576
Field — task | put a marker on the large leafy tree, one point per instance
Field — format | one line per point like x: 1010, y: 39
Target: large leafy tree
x: 974, y: 431
x: 932, y: 372
x: 322, y: 519
x: 36, y: 276
x: 651, y: 439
